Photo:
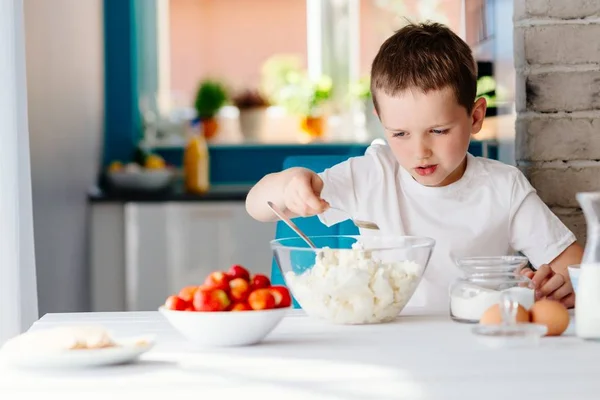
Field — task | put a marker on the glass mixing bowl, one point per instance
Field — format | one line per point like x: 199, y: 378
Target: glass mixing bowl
x: 351, y: 279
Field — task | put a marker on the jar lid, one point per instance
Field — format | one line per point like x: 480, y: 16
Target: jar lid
x: 493, y: 281
x: 492, y: 264
x: 495, y: 277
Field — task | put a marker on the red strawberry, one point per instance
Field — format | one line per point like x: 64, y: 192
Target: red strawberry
x: 237, y: 271
x: 260, y: 281
x: 282, y: 296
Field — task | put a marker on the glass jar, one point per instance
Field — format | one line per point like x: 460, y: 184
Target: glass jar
x: 485, y: 265
x: 482, y: 284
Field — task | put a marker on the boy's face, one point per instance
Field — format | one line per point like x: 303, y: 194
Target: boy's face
x: 429, y: 133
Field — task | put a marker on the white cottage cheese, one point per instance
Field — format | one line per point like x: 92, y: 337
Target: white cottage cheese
x: 348, y: 286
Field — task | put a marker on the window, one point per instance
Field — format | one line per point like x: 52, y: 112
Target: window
x: 332, y: 40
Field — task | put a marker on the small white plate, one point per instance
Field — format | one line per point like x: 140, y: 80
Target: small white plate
x: 128, y: 350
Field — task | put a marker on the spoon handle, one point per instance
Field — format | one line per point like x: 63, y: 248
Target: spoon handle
x: 289, y: 223
x: 358, y: 222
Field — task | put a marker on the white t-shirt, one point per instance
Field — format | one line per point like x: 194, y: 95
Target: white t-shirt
x: 491, y: 211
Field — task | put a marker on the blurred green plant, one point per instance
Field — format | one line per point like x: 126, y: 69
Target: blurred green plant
x: 360, y: 89
x: 210, y: 97
x: 279, y: 71
x: 486, y: 88
x: 286, y: 84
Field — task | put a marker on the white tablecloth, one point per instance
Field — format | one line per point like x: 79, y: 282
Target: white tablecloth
x: 417, y: 357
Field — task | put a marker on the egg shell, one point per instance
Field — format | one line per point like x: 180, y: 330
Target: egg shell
x: 551, y: 313
x: 493, y: 315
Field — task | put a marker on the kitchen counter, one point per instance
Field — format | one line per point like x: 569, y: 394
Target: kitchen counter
x: 225, y: 192
x: 416, y: 357
x: 232, y: 164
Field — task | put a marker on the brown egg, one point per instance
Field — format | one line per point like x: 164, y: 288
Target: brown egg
x: 551, y: 313
x: 493, y: 315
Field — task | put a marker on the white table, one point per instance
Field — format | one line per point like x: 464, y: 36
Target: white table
x: 417, y: 357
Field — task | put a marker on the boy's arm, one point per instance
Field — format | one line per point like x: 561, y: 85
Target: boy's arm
x: 272, y: 188
x: 301, y: 192
x: 572, y: 255
x: 550, y: 246
x: 536, y: 231
x: 553, y: 280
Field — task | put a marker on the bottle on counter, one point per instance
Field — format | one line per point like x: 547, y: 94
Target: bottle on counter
x: 587, y: 297
x: 196, y: 161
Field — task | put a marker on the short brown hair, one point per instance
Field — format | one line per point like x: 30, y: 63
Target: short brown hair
x: 427, y: 56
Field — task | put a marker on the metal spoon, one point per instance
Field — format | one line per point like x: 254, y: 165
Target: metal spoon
x: 359, y: 223
x: 289, y: 223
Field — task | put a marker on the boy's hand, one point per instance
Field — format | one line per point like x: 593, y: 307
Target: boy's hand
x: 549, y: 284
x: 302, y: 194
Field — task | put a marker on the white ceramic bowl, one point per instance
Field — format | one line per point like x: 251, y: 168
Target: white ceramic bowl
x: 142, y: 180
x: 225, y: 329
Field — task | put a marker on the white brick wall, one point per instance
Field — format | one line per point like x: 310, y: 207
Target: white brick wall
x: 561, y: 43
x: 557, y: 57
x: 557, y: 182
x: 568, y: 90
x: 558, y: 136
x: 556, y: 8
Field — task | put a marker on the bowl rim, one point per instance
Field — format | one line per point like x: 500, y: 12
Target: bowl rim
x: 272, y: 310
x: 143, y: 171
x: 491, y: 261
x: 426, y: 242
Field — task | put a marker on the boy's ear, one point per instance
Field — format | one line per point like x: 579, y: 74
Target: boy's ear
x: 478, y: 115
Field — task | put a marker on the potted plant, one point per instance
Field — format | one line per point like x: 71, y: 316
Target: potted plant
x: 210, y: 97
x: 311, y: 102
x: 287, y: 84
x: 252, y: 105
x: 308, y: 99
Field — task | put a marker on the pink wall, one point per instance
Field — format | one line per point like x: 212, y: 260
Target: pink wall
x: 232, y: 38
x: 378, y: 24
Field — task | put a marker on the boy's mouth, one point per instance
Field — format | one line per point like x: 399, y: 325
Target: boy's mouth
x: 425, y: 170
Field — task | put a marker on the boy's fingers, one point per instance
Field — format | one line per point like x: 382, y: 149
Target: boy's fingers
x: 311, y: 199
x: 569, y: 301
x: 562, y: 292
x: 553, y: 284
x: 300, y: 208
x: 540, y: 276
x: 316, y: 204
x: 528, y: 272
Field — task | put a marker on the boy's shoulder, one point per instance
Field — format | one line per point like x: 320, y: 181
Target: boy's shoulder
x: 495, y: 167
x: 497, y: 173
x: 381, y: 152
x: 376, y: 158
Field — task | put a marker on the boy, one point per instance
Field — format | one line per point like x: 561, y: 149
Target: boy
x: 424, y: 182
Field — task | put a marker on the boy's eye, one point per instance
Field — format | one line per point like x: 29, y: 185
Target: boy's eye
x: 398, y: 134
x: 439, y: 131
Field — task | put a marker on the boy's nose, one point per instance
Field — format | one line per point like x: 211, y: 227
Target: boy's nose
x: 422, y: 150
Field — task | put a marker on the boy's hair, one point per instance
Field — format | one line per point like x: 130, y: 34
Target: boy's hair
x: 427, y: 56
